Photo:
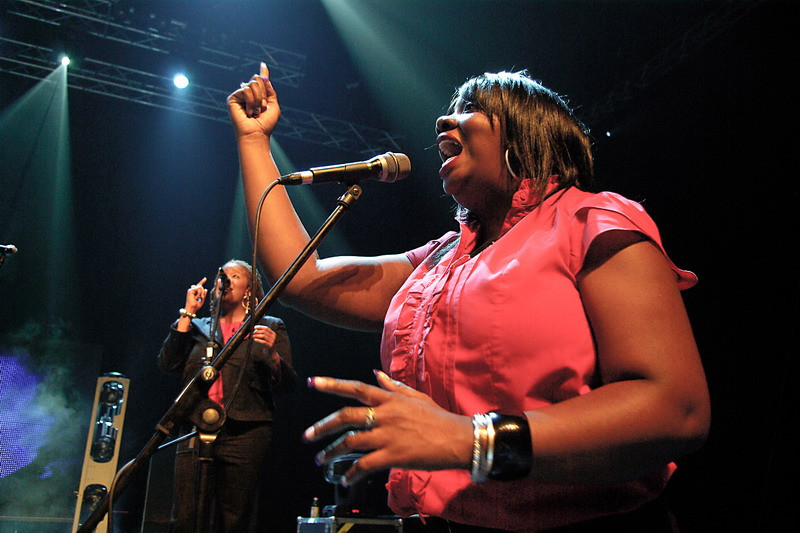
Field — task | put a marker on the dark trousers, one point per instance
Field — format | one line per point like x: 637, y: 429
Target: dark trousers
x: 239, y: 457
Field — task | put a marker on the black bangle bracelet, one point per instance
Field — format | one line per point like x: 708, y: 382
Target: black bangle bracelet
x: 513, y: 450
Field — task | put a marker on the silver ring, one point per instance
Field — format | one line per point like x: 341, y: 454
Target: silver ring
x: 369, y: 420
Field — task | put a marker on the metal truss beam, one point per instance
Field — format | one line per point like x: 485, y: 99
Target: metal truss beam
x: 97, y: 18
x: 674, y: 54
x: 116, y: 81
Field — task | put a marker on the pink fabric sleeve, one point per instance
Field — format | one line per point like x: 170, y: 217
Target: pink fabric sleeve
x: 418, y: 255
x: 610, y: 211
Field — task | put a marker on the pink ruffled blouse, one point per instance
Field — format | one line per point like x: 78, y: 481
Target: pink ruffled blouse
x: 506, y: 330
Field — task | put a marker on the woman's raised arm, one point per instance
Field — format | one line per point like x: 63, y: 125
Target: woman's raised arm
x: 351, y: 292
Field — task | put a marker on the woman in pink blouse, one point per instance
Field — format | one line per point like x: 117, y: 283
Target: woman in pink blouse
x: 539, y: 369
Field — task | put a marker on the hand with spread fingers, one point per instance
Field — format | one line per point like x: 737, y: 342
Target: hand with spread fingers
x: 398, y: 427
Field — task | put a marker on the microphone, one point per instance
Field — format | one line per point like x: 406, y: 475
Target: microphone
x: 224, y: 280
x: 8, y: 249
x: 388, y: 167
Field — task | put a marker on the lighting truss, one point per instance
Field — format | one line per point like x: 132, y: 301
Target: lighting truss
x: 116, y: 81
x: 97, y: 18
x: 108, y: 78
x: 675, y: 53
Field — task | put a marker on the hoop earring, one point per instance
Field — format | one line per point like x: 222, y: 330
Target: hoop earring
x: 508, y: 166
x: 246, y: 303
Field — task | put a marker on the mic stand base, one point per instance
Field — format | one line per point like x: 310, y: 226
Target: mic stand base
x: 203, y: 467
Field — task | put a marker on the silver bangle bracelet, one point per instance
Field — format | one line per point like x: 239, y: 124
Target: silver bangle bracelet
x: 483, y: 436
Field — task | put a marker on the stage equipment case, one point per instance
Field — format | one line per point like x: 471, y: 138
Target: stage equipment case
x: 340, y: 524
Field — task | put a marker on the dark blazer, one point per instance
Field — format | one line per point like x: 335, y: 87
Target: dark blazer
x: 254, y: 401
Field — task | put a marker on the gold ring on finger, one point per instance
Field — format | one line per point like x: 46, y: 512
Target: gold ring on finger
x: 369, y: 419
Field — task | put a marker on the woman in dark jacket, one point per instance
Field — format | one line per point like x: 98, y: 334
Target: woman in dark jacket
x: 245, y: 388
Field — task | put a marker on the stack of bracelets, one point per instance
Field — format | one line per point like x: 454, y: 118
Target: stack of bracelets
x: 184, y: 312
x: 501, y: 447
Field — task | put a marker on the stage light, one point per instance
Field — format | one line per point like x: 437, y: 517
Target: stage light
x: 180, y: 81
x: 65, y: 60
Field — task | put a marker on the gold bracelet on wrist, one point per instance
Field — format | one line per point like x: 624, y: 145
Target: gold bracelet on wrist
x: 184, y: 312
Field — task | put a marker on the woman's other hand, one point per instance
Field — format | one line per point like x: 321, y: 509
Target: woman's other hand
x: 264, y: 335
x: 401, y: 427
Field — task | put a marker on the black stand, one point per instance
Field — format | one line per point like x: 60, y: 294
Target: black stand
x: 191, y: 403
x: 204, y: 461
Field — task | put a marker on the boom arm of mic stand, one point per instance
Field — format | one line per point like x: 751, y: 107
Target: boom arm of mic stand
x: 192, y: 393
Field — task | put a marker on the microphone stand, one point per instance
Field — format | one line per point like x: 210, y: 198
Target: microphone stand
x: 215, y: 419
x: 214, y: 326
x: 193, y: 401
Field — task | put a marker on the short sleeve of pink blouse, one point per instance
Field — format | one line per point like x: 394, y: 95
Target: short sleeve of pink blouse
x: 418, y: 255
x: 608, y: 211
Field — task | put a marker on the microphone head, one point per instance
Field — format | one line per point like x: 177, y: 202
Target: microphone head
x: 224, y: 280
x: 393, y: 166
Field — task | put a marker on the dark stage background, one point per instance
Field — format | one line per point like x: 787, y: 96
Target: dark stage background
x: 701, y: 111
